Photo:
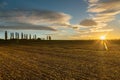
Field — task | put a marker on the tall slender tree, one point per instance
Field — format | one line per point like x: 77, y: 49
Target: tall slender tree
x: 49, y: 37
x: 6, y: 35
x: 22, y: 36
x: 35, y: 36
x: 30, y: 36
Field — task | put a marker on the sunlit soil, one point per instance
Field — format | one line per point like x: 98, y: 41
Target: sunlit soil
x: 60, y: 61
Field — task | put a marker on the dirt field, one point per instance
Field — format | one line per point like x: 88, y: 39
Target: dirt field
x: 59, y: 60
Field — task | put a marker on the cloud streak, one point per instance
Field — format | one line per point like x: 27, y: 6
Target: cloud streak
x: 27, y: 28
x: 35, y: 16
x: 32, y: 19
x: 24, y: 26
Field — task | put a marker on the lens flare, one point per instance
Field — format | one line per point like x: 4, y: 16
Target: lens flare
x: 102, y: 37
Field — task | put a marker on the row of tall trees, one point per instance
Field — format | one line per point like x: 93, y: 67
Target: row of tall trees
x: 23, y: 36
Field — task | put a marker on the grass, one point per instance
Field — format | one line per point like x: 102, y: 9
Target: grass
x: 59, y: 60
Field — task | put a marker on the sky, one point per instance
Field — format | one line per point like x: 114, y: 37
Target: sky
x: 62, y: 19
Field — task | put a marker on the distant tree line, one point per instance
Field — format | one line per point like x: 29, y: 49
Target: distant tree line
x: 17, y: 35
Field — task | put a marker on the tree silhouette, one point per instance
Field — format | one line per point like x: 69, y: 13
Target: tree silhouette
x: 22, y: 36
x: 30, y: 36
x: 49, y: 37
x: 6, y: 36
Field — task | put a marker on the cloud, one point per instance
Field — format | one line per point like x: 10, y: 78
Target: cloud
x: 24, y: 26
x: 103, y: 12
x: 101, y: 30
x: 27, y: 28
x: 92, y: 1
x: 35, y: 17
x: 88, y: 22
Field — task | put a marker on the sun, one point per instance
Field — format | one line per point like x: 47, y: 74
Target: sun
x: 103, y: 37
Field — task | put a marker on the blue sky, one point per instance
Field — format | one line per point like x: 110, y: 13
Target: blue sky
x: 62, y: 19
x: 74, y: 7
